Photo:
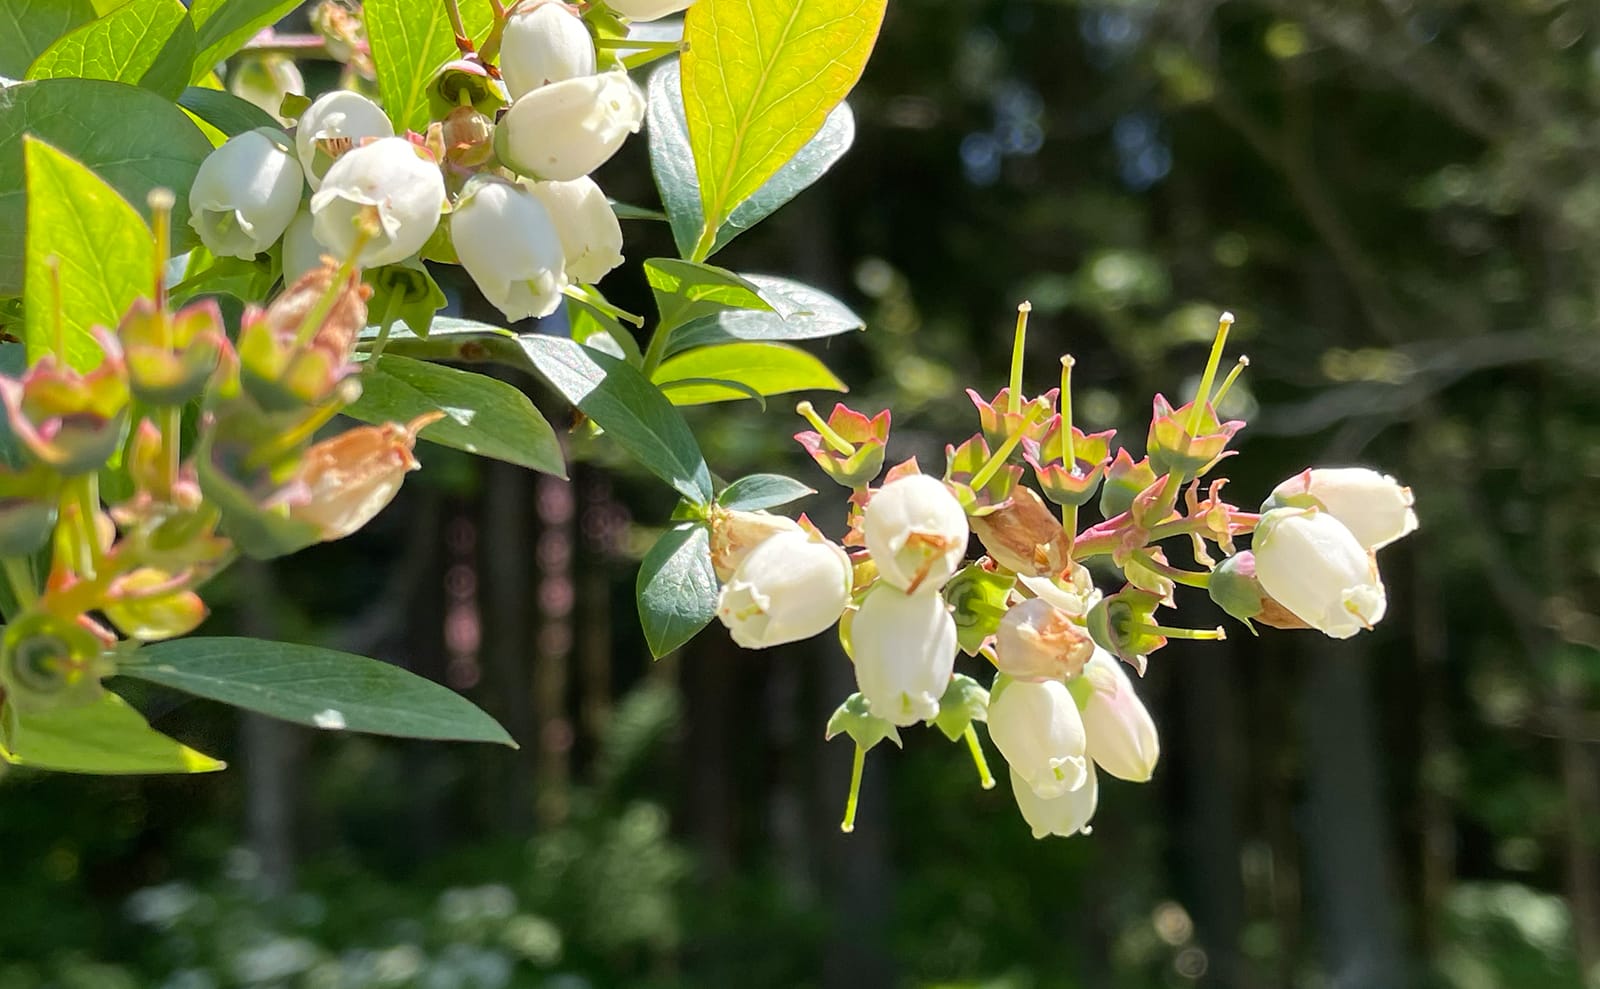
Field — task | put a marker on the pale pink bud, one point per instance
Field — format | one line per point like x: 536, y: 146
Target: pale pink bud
x: 1038, y: 641
x: 349, y: 479
x: 1121, y: 736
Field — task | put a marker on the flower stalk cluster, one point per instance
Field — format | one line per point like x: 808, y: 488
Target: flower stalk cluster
x: 1061, y: 705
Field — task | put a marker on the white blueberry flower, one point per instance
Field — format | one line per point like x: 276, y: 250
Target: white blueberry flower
x: 386, y: 191
x: 647, y: 10
x: 1064, y: 815
x: 1036, y: 726
x: 735, y: 533
x: 545, y: 41
x: 916, y: 531
x: 591, y: 237
x: 1374, y: 507
x: 1120, y: 734
x: 266, y: 81
x: 1075, y: 594
x: 904, y: 646
x: 335, y: 123
x: 790, y: 587
x: 568, y: 129
x: 508, y: 243
x: 1307, y: 561
x: 1038, y: 641
x: 301, y: 249
x: 245, y: 194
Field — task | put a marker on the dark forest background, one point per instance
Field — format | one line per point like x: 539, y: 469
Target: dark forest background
x: 1401, y: 203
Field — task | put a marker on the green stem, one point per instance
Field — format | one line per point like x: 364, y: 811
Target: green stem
x: 704, y: 246
x: 1203, y: 393
x: 171, y: 425
x: 1188, y: 578
x: 1227, y: 383
x: 636, y: 44
x: 325, y: 303
x: 160, y: 201
x: 19, y: 574
x: 849, y: 823
x: 829, y: 435
x: 391, y: 312
x: 454, y: 13
x: 1019, y: 341
x: 282, y: 443
x: 1203, y: 634
x: 976, y: 748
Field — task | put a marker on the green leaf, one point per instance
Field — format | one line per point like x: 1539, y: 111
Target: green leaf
x: 629, y: 408
x: 131, y: 138
x: 104, y: 253
x: 627, y: 211
x: 206, y: 274
x: 28, y: 27
x: 107, y: 737
x: 223, y: 26
x: 596, y: 328
x: 225, y: 111
x: 411, y: 40
x: 677, y: 588
x: 672, y: 164
x: 801, y: 313
x: 722, y: 384
x: 759, y: 491
x: 690, y: 290
x: 483, y: 415
x: 768, y: 368
x: 124, y: 46
x: 314, y: 686
x: 759, y: 79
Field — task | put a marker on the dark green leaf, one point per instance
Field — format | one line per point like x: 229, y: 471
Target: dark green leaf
x: 223, y: 26
x: 483, y: 415
x: 106, y: 737
x: 594, y: 327
x: 760, y: 491
x: 801, y: 313
x: 672, y: 163
x: 677, y: 588
x: 768, y: 368
x: 131, y: 138
x: 225, y: 111
x: 28, y: 27
x: 314, y: 686
x: 86, y: 246
x: 629, y: 408
x: 625, y: 211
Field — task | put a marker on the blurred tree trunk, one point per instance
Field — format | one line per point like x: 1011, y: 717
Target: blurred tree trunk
x: 552, y: 658
x: 272, y: 750
x: 507, y: 570
x: 1348, y: 858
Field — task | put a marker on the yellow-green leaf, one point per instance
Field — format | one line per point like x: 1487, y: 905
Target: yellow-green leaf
x: 762, y: 368
x: 759, y: 79
x: 120, y: 47
x: 104, y: 257
x: 107, y: 736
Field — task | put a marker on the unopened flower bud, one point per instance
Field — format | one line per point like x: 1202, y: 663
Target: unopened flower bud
x: 591, y: 237
x: 1307, y: 561
x: 916, y: 531
x: 904, y: 646
x: 349, y: 479
x: 507, y: 242
x: 646, y: 10
x: 1064, y: 815
x: 545, y: 41
x: 789, y: 587
x: 384, y: 196
x: 245, y: 194
x: 1036, y: 726
x: 336, y: 123
x: 1234, y: 588
x: 266, y: 81
x: 568, y: 129
x: 1038, y: 641
x: 735, y: 533
x: 1121, y: 736
x: 1023, y: 535
x: 1374, y: 507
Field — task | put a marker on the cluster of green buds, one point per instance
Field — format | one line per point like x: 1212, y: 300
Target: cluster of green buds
x: 142, y: 469
x: 1059, y: 703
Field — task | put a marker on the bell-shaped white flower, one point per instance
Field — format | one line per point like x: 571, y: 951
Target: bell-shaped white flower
x: 1075, y: 595
x: 336, y: 123
x: 591, y: 237
x: 568, y: 129
x: 266, y: 81
x: 916, y: 531
x: 385, y: 192
x: 904, y: 646
x: 1038, y: 641
x: 1036, y: 726
x: 790, y: 587
x: 1064, y: 815
x: 508, y: 243
x: 1121, y: 736
x: 1307, y: 561
x: 1374, y: 507
x: 734, y: 534
x: 245, y: 194
x: 301, y: 249
x: 545, y: 41
x: 647, y: 10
